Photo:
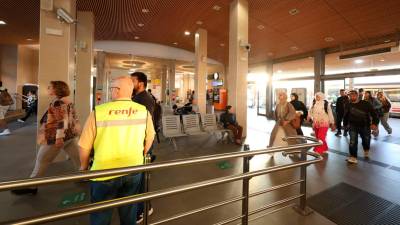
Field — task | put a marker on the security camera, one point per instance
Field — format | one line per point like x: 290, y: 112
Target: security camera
x: 64, y: 16
x: 246, y: 46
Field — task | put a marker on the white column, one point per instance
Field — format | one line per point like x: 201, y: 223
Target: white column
x: 171, y: 80
x: 238, y: 60
x: 163, y: 85
x: 84, y: 63
x: 201, y: 69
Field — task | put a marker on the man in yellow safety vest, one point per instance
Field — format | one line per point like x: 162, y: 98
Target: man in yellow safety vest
x: 120, y: 132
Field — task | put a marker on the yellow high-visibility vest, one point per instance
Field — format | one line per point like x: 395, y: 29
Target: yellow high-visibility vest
x: 120, y: 135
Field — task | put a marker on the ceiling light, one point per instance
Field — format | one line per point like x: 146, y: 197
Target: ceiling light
x: 141, y: 24
x: 387, y: 41
x: 216, y: 7
x: 260, y: 27
x: 294, y: 11
x: 270, y: 54
x: 294, y: 48
x: 358, y: 61
x: 175, y: 43
x: 279, y: 71
x: 137, y: 37
x: 29, y: 39
x: 329, y: 39
x: 2, y: 22
x: 382, y: 60
x: 187, y: 33
x: 199, y: 22
x: 145, y: 10
x: 222, y: 44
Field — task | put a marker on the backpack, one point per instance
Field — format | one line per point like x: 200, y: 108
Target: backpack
x: 157, y: 115
x: 325, y: 105
x: 5, y: 98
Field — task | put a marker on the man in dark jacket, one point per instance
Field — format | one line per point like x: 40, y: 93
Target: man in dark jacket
x: 141, y: 96
x: 341, y: 103
x: 357, y: 117
x: 299, y: 107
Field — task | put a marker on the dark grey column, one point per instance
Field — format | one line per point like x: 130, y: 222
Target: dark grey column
x: 269, y: 94
x: 319, y: 69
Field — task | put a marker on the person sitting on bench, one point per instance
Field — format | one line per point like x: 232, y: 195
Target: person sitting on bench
x: 229, y: 121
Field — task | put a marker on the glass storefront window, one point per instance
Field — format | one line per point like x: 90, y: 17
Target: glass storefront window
x: 304, y: 88
x: 385, y: 61
x: 294, y: 69
x: 332, y: 89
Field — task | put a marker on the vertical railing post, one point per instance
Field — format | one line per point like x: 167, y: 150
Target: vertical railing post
x: 302, y: 206
x: 246, y: 188
x: 146, y: 179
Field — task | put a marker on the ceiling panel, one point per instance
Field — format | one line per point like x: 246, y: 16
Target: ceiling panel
x: 166, y: 20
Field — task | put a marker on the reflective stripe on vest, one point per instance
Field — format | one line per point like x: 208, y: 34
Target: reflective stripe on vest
x: 120, y: 135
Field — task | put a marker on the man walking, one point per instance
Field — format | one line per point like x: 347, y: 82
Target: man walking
x: 341, y: 103
x: 5, y: 102
x: 357, y: 117
x: 120, y: 132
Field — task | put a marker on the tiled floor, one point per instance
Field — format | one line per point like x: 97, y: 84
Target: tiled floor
x: 380, y: 176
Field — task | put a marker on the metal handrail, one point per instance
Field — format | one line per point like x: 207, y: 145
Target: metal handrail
x: 169, y: 191
x: 85, y: 175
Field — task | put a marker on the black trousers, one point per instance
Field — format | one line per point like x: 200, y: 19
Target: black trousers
x: 339, y: 119
x: 29, y: 112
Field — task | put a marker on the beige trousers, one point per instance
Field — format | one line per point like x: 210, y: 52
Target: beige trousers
x: 47, y: 153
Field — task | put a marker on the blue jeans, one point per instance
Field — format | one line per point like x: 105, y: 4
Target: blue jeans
x: 140, y: 208
x: 365, y: 134
x: 115, y: 188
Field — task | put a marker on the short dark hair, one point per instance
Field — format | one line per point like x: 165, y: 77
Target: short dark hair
x: 149, y: 90
x: 361, y: 90
x: 61, y: 88
x: 353, y: 92
x: 142, y: 77
x: 342, y: 90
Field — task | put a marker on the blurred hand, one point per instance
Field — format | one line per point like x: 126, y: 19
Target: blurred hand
x: 59, y: 143
x: 373, y: 127
x: 333, y: 127
x: 285, y: 122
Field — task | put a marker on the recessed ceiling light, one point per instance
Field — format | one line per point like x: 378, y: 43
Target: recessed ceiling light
x: 294, y: 11
x: 145, y: 10
x: 279, y: 71
x: 329, y: 39
x: 141, y: 24
x: 358, y: 61
x: 187, y: 33
x: 137, y: 37
x: 294, y: 48
x: 216, y: 7
x: 2, y: 22
x: 222, y: 44
x: 199, y: 22
x: 260, y: 27
x: 382, y: 60
x: 29, y: 39
x: 270, y: 54
x: 175, y: 43
x: 387, y: 41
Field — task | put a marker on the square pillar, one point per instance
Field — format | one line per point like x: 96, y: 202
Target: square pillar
x: 201, y: 69
x: 84, y: 64
x: 238, y: 60
x: 319, y: 69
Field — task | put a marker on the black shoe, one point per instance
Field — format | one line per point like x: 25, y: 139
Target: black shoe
x: 345, y: 134
x: 25, y: 191
x: 338, y: 134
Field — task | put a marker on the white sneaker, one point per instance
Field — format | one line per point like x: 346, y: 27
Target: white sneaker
x: 21, y: 121
x: 366, y: 154
x: 140, y: 219
x: 5, y: 132
x: 352, y: 160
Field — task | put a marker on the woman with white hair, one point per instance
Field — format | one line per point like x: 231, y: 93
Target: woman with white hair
x: 284, y: 114
x: 322, y: 117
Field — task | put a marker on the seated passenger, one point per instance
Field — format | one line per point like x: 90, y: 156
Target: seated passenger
x: 229, y: 121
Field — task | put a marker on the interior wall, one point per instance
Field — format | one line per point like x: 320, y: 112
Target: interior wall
x: 8, y: 68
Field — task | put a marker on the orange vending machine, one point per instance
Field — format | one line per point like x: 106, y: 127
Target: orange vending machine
x: 220, y: 98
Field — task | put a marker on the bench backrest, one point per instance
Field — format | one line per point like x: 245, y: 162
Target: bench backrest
x: 171, y: 125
